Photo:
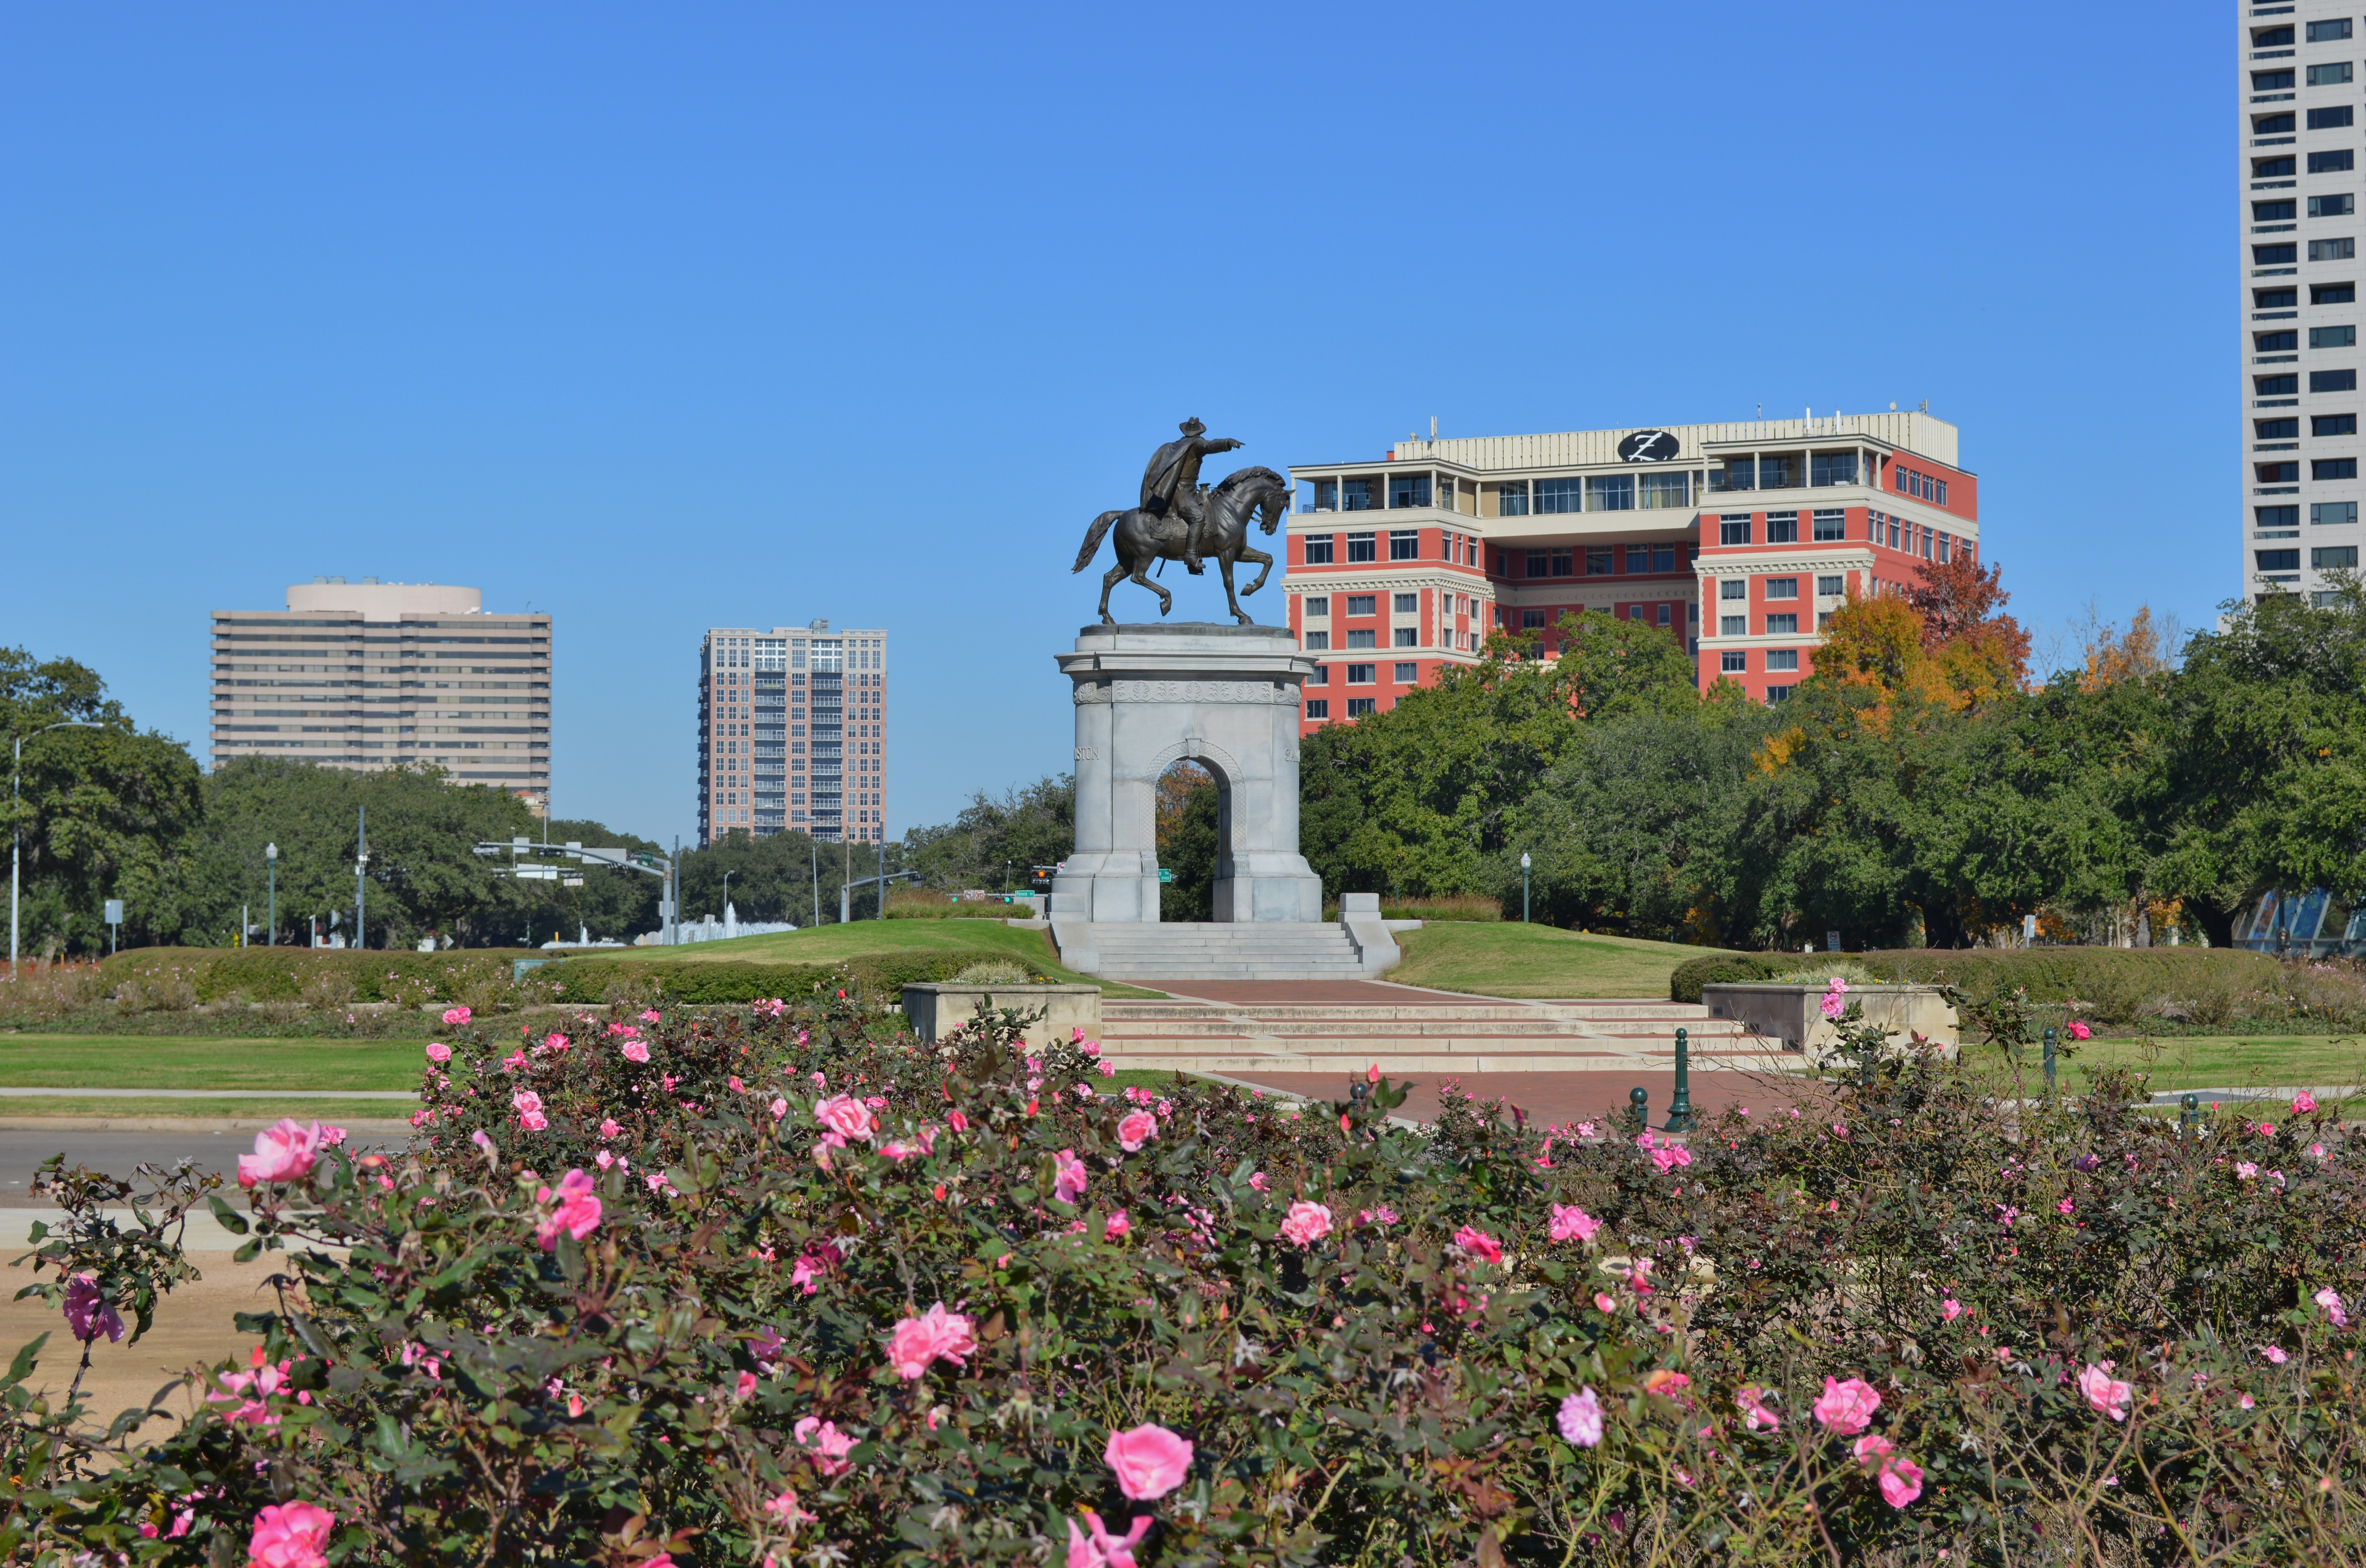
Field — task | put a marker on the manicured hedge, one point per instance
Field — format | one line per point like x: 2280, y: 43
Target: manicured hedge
x: 280, y: 974
x: 2050, y: 973
x: 596, y: 980
x: 1684, y: 983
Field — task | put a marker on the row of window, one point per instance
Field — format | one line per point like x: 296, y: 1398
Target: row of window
x: 2281, y: 122
x: 2322, y: 468
x: 1404, y: 675
x: 1362, y: 605
x: 2285, y: 252
x: 2332, y: 74
x: 1779, y: 661
x: 2318, y: 381
x: 1921, y: 486
x: 2330, y: 513
x: 1601, y: 560
x: 2288, y: 428
x: 2318, y: 32
x: 1404, y: 544
x: 1780, y: 470
x: 2283, y: 209
x: 1320, y: 707
x: 1401, y: 490
x: 1833, y: 586
x: 2325, y: 557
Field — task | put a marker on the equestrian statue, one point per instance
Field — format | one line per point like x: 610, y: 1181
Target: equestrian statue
x: 1181, y: 519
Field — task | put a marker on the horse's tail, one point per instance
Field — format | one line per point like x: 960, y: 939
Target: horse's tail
x: 1093, y: 537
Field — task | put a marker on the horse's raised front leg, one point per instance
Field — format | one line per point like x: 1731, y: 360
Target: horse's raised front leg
x: 1224, y: 561
x: 1165, y: 599
x: 1264, y: 561
x: 1109, y: 580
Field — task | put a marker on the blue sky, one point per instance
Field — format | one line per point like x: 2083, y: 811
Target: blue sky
x: 659, y: 318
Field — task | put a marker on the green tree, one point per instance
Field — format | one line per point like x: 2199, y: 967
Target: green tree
x: 779, y: 878
x: 1027, y: 827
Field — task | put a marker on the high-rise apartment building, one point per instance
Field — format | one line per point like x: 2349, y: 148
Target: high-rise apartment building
x: 372, y: 674
x: 1739, y: 540
x: 793, y: 732
x: 2299, y: 296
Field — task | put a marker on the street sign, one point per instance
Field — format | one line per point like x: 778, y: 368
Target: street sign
x: 1165, y: 875
x: 114, y: 912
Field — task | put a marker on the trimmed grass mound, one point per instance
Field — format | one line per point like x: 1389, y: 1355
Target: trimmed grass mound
x: 879, y: 952
x: 1514, y: 959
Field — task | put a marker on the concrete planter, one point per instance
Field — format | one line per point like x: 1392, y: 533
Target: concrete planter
x: 937, y: 1008
x: 1794, y: 1014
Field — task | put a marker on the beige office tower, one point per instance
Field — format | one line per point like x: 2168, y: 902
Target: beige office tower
x: 371, y: 674
x: 793, y: 732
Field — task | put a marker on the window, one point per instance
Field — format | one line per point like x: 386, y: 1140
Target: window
x: 2331, y: 120
x: 2268, y: 80
x: 1408, y: 490
x: 2277, y: 473
x: 1782, y: 588
x: 2283, y: 516
x: 2268, y: 38
x: 1666, y: 489
x: 2326, y: 424
x: 1665, y: 618
x: 2278, y: 255
x: 1318, y: 642
x: 1738, y: 473
x: 2269, y: 342
x: 1408, y: 674
x: 2331, y: 75
x: 1363, y: 637
x: 1610, y: 492
x: 1358, y: 707
x: 1733, y: 626
x: 2268, y: 168
x: 1830, y: 587
x: 2332, y: 294
x: 1406, y: 603
x: 1532, y: 620
x: 1782, y: 660
x: 1635, y: 559
x: 2277, y: 560
x: 1319, y: 605
x: 2333, y: 337
x: 1326, y: 491
x: 1831, y: 524
x: 2333, y: 380
x: 1355, y: 495
x: 1663, y: 558
x: 1360, y: 674
x: 2270, y: 298
x: 1404, y: 544
x: 1559, y: 495
x: 1778, y: 470
x: 2327, y: 163
x: 1597, y: 561
x: 1733, y: 530
x: 1732, y: 588
x: 1512, y: 499
x: 1318, y: 708
x: 2329, y: 512
x: 1778, y: 695
x: 1782, y: 527
x: 1733, y: 661
x: 2332, y: 206
x: 2334, y: 557
x: 2327, y: 250
x: 2270, y: 124
x: 1322, y: 675
x: 2270, y: 386
x: 2327, y: 32
x: 1318, y: 548
x: 1783, y: 625
x: 2334, y: 468
x: 2285, y: 429
x: 1408, y: 636
x: 1362, y: 603
x: 1362, y: 547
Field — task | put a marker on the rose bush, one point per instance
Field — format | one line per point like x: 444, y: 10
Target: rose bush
x: 788, y: 1285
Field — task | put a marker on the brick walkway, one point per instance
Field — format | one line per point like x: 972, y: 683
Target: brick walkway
x: 1563, y: 1098
x: 1316, y: 993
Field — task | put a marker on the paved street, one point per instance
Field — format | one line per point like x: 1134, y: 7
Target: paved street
x: 21, y: 1153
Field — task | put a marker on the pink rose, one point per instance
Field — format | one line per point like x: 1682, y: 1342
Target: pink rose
x: 2304, y: 1102
x: 1479, y: 1245
x: 1067, y: 1176
x: 1570, y: 1223
x: 1136, y: 1130
x: 1101, y: 1549
x: 438, y: 1052
x: 957, y: 1122
x: 576, y: 1211
x: 935, y: 1335
x: 2330, y: 1300
x: 291, y: 1535
x: 283, y: 1152
x: 825, y: 1442
x: 779, y: 1107
x: 2246, y: 1171
x: 1306, y: 1224
x: 1752, y: 1403
x: 1847, y: 1408
x: 1581, y: 1418
x: 2275, y: 1356
x: 1901, y: 1482
x: 455, y: 1018
x: 1257, y: 1181
x: 635, y: 1050
x: 608, y: 1127
x: 1150, y: 1462
x: 87, y: 1313
x: 2105, y: 1393
x: 845, y: 1115
x: 1950, y: 1310
x: 1117, y: 1225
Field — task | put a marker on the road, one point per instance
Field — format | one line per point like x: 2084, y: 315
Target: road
x: 21, y: 1153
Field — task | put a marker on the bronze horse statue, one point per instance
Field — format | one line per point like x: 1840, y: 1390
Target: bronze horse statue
x: 1143, y: 537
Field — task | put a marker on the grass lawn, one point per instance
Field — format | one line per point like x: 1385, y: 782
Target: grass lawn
x: 861, y: 939
x: 163, y: 1061
x: 1514, y: 959
x: 2208, y: 1061
x: 247, y: 1108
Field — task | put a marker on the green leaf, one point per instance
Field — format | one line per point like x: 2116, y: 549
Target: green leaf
x: 230, y: 1219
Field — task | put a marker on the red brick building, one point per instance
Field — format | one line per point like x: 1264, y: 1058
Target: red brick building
x: 1739, y: 540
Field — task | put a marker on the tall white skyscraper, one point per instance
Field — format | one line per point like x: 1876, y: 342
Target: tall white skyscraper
x: 2299, y: 132
x: 793, y: 732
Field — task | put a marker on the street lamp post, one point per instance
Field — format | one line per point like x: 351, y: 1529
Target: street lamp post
x: 271, y: 903
x: 15, y: 834
x: 361, y: 864
x: 1524, y: 887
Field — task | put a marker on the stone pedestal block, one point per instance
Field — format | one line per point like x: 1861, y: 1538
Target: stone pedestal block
x: 1226, y: 697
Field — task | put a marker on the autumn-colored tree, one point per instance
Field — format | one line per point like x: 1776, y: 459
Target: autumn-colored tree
x: 2112, y: 656
x: 1962, y: 602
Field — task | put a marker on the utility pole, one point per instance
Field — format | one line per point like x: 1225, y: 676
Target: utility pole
x: 883, y: 879
x: 814, y: 851
x: 271, y: 909
x: 361, y: 864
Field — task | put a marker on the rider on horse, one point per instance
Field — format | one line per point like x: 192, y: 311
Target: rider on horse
x: 1170, y: 485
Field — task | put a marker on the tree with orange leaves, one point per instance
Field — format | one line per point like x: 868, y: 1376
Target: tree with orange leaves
x: 1962, y: 605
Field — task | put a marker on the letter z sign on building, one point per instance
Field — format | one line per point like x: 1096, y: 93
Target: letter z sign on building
x: 1647, y: 446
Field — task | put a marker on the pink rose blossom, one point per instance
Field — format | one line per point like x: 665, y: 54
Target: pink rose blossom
x: 1067, y: 1176
x: 1570, y: 1223
x: 1479, y: 1245
x: 2079, y: 1030
x: 934, y: 1334
x: 1306, y: 1224
x: 1258, y: 1180
x: 2246, y: 1171
x: 957, y: 1122
x: 825, y: 1442
x: 845, y: 1115
x: 780, y: 1108
x: 87, y: 1313
x: 1950, y: 1310
x: 635, y: 1051
x: 1901, y: 1479
x: 291, y: 1535
x: 649, y: 1016
x: 554, y: 1041
x: 1102, y: 1549
x: 2006, y: 1214
x: 438, y: 1052
x: 2274, y: 1354
x: 1382, y: 1216
x: 1580, y: 1418
x: 1835, y: 998
x: 1150, y: 1462
x: 575, y: 1209
x: 1846, y: 1408
x: 2105, y: 1393
x: 2330, y: 1300
x: 2064, y: 1207
x: 1117, y: 1225
x: 1136, y: 1130
x: 2304, y: 1102
x: 455, y: 1018
x: 1604, y: 1303
x: 1755, y: 1415
x: 283, y: 1152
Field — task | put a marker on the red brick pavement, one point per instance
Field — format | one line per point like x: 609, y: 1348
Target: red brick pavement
x: 1563, y: 1098
x: 1318, y: 993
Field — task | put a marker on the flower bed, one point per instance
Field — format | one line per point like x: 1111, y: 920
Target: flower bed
x: 783, y: 1285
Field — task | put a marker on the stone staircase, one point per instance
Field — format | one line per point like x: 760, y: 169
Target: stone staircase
x: 1155, y: 954
x: 1424, y: 1034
